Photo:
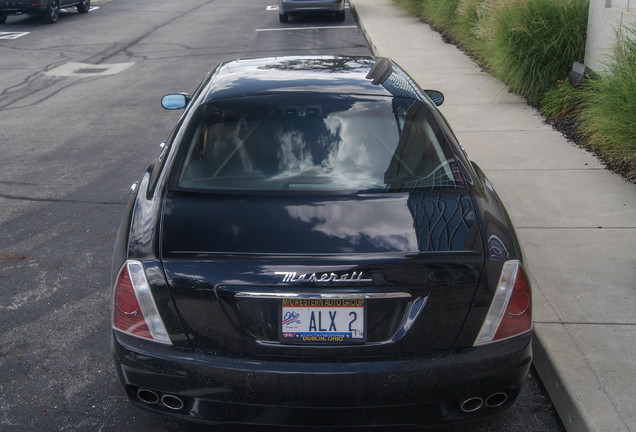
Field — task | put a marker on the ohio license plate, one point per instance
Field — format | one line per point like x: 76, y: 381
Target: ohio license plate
x: 323, y: 321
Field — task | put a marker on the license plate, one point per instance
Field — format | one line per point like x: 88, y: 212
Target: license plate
x: 323, y: 321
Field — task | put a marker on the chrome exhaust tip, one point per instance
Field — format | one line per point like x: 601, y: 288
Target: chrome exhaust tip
x: 496, y: 399
x: 172, y: 402
x: 472, y: 404
x: 147, y: 396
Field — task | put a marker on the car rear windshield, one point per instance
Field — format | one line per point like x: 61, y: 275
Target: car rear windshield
x: 315, y: 143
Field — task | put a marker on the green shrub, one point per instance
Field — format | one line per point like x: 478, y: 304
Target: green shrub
x: 441, y: 14
x: 467, y: 17
x: 531, y: 44
x: 413, y: 7
x: 608, y: 117
x: 561, y: 101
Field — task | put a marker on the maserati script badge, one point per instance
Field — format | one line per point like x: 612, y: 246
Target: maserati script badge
x: 323, y: 277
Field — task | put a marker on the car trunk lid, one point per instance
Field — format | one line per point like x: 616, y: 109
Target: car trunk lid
x: 233, y: 261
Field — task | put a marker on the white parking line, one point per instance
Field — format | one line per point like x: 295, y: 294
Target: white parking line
x: 73, y: 10
x: 12, y: 35
x: 305, y: 28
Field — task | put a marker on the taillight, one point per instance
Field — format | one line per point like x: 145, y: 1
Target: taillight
x: 134, y: 309
x: 510, y: 312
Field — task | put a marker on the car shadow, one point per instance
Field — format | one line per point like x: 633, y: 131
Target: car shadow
x: 32, y: 21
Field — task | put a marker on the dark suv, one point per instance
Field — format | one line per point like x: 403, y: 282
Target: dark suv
x: 48, y: 9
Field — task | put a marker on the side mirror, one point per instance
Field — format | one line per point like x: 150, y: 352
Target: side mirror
x: 175, y: 101
x: 436, y: 96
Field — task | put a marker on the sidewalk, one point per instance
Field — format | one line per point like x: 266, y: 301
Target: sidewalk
x: 576, y: 222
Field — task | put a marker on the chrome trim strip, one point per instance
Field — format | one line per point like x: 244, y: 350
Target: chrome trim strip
x: 280, y: 295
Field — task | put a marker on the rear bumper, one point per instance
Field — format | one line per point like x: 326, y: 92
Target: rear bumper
x: 13, y: 7
x: 287, y: 6
x: 421, y: 390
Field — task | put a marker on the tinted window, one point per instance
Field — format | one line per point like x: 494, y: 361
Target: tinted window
x: 310, y: 143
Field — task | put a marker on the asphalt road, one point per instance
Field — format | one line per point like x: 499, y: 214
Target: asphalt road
x: 72, y: 141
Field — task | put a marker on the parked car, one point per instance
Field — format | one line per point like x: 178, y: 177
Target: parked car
x: 313, y: 247
x: 48, y: 9
x: 293, y: 7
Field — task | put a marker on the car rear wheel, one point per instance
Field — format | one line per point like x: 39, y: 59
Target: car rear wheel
x: 84, y: 6
x: 52, y: 12
x: 283, y: 17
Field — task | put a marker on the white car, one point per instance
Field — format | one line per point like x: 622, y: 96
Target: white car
x: 291, y: 7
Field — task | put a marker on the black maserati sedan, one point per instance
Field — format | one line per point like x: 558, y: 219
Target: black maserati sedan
x: 313, y: 248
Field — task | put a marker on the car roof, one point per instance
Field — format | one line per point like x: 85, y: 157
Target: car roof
x: 344, y: 75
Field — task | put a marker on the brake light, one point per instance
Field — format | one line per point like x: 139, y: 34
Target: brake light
x: 510, y: 312
x: 134, y: 308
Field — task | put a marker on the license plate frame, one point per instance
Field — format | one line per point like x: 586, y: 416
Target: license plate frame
x: 323, y: 321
